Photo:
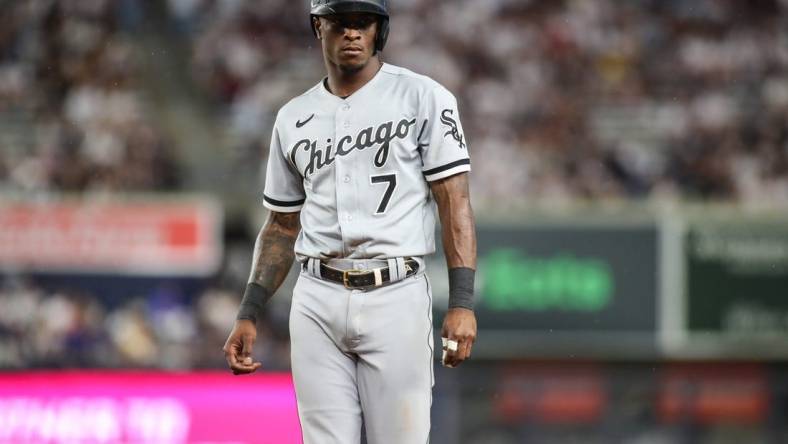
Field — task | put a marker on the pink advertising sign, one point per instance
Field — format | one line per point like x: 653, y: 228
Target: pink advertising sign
x: 143, y: 236
x: 147, y: 407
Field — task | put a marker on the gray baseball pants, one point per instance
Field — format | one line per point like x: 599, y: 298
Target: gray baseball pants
x: 362, y: 356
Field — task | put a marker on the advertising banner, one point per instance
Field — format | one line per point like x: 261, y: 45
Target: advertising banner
x: 569, y: 278
x: 737, y: 279
x: 126, y: 407
x: 136, y: 237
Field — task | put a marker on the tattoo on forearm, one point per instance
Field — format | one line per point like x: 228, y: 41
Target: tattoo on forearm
x: 273, y: 250
x: 457, y: 221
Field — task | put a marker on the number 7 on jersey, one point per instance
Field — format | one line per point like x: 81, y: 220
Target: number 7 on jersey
x: 391, y: 180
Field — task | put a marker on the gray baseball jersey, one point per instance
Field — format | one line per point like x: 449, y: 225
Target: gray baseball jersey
x: 357, y: 168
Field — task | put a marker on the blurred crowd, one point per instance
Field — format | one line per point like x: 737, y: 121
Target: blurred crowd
x: 163, y: 327
x: 567, y: 99
x: 72, y: 111
x: 560, y: 100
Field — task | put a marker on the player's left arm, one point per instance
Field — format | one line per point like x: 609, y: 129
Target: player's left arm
x: 459, y: 245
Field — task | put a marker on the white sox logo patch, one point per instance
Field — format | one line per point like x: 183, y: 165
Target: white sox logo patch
x: 447, y: 120
x: 383, y: 135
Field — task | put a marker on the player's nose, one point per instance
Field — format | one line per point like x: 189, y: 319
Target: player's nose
x: 351, y: 33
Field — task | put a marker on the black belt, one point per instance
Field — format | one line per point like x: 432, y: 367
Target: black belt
x: 356, y: 279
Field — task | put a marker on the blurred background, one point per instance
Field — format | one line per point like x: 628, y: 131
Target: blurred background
x: 630, y: 179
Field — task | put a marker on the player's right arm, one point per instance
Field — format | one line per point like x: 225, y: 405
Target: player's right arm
x: 273, y: 251
x: 271, y: 261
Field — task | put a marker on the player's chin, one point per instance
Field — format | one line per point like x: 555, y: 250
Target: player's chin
x: 353, y: 63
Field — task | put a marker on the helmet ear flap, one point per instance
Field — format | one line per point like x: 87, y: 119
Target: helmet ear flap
x: 383, y: 34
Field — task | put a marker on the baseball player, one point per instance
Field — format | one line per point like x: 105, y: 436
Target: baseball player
x: 356, y: 166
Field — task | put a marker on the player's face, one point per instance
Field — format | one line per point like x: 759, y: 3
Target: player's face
x: 348, y: 39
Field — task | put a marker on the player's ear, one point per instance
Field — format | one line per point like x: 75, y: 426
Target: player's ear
x: 316, y: 27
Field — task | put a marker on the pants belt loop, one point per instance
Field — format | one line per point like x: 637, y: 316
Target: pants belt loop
x: 313, y: 266
x: 401, y: 271
x: 393, y: 269
x: 316, y: 265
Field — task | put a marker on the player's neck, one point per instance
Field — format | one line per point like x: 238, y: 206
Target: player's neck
x: 344, y: 83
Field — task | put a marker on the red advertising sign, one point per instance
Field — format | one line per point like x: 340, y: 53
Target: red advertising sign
x: 708, y: 394
x: 180, y: 237
x: 126, y: 407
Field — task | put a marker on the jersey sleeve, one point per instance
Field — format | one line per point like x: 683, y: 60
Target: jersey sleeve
x: 441, y: 138
x: 284, y: 187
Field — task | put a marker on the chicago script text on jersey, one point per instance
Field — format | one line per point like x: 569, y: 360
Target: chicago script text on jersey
x: 381, y: 135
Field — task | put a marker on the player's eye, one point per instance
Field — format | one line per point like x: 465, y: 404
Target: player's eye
x: 360, y: 23
x: 363, y: 22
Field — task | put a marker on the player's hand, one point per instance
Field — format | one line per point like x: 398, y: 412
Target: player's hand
x: 238, y: 348
x: 459, y: 326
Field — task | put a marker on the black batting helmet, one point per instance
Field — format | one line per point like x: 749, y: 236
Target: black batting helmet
x: 378, y: 7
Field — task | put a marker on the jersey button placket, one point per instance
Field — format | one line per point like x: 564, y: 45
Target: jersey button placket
x: 345, y: 111
x: 353, y: 194
x: 344, y: 187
